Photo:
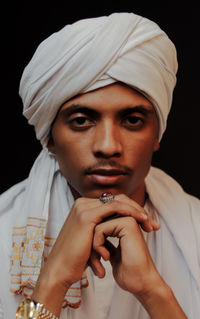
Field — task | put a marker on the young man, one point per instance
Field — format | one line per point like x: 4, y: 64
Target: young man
x: 98, y: 93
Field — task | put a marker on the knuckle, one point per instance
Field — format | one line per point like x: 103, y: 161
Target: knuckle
x: 114, y: 205
x: 130, y: 221
x: 98, y: 235
x: 121, y: 197
x: 98, y: 229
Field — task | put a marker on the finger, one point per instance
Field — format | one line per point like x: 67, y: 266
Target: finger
x: 100, y: 243
x: 121, y: 208
x: 154, y: 224
x: 96, y: 265
x: 114, y: 252
x: 149, y: 224
x: 140, y: 215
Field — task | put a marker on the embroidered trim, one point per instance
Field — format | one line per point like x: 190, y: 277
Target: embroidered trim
x: 30, y: 249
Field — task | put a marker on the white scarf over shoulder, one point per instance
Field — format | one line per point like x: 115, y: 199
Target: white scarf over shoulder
x: 81, y: 57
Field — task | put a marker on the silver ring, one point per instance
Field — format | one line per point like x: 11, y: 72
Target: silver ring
x: 106, y: 197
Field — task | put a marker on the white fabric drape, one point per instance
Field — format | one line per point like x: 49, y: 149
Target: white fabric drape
x: 46, y: 202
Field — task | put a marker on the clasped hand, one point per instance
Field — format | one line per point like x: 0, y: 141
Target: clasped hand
x: 83, y: 241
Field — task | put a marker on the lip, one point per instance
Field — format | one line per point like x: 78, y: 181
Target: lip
x: 106, y: 176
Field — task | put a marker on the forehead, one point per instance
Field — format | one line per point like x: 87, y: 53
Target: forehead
x: 110, y: 98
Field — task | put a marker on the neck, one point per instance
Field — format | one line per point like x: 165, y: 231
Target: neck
x: 74, y: 192
x: 139, y: 195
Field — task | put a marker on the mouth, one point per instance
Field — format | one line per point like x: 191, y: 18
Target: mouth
x: 106, y: 176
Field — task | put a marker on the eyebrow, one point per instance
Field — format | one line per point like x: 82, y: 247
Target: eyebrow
x: 75, y: 108
x: 134, y: 109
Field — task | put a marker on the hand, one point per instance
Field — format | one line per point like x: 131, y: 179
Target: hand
x: 72, y: 249
x: 133, y: 268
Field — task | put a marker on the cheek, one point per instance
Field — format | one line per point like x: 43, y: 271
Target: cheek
x: 140, y: 157
x: 70, y: 152
x: 67, y: 153
x: 141, y: 148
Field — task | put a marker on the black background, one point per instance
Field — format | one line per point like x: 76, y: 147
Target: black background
x: 27, y: 23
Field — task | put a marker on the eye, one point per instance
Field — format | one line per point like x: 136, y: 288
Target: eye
x: 133, y: 122
x: 80, y: 120
x: 80, y: 123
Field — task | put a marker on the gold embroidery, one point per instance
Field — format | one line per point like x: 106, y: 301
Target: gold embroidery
x: 30, y: 249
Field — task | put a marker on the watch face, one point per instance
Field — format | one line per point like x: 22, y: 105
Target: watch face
x: 26, y: 310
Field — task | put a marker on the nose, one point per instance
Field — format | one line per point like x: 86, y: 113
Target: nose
x: 107, y: 142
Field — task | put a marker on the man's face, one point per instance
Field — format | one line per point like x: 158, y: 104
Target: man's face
x: 104, y: 141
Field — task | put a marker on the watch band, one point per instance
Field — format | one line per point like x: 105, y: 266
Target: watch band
x: 31, y: 309
x: 43, y: 312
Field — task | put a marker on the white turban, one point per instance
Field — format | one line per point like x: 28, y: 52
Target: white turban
x: 93, y: 53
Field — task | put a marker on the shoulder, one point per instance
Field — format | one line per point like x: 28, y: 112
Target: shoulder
x: 10, y: 201
x: 8, y: 198
x: 158, y: 177
x: 167, y: 192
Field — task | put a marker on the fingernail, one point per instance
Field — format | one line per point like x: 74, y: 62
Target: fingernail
x: 144, y: 216
x: 151, y: 228
x: 156, y: 223
x: 99, y: 275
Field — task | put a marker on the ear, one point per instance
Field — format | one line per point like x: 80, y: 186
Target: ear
x: 156, y: 145
x: 51, y: 145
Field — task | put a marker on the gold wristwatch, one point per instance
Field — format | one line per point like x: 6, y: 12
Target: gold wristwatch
x: 31, y: 309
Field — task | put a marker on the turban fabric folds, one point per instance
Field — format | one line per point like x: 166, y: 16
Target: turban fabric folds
x: 93, y: 53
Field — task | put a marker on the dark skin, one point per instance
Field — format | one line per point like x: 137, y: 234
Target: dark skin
x: 104, y: 141
x: 106, y: 132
